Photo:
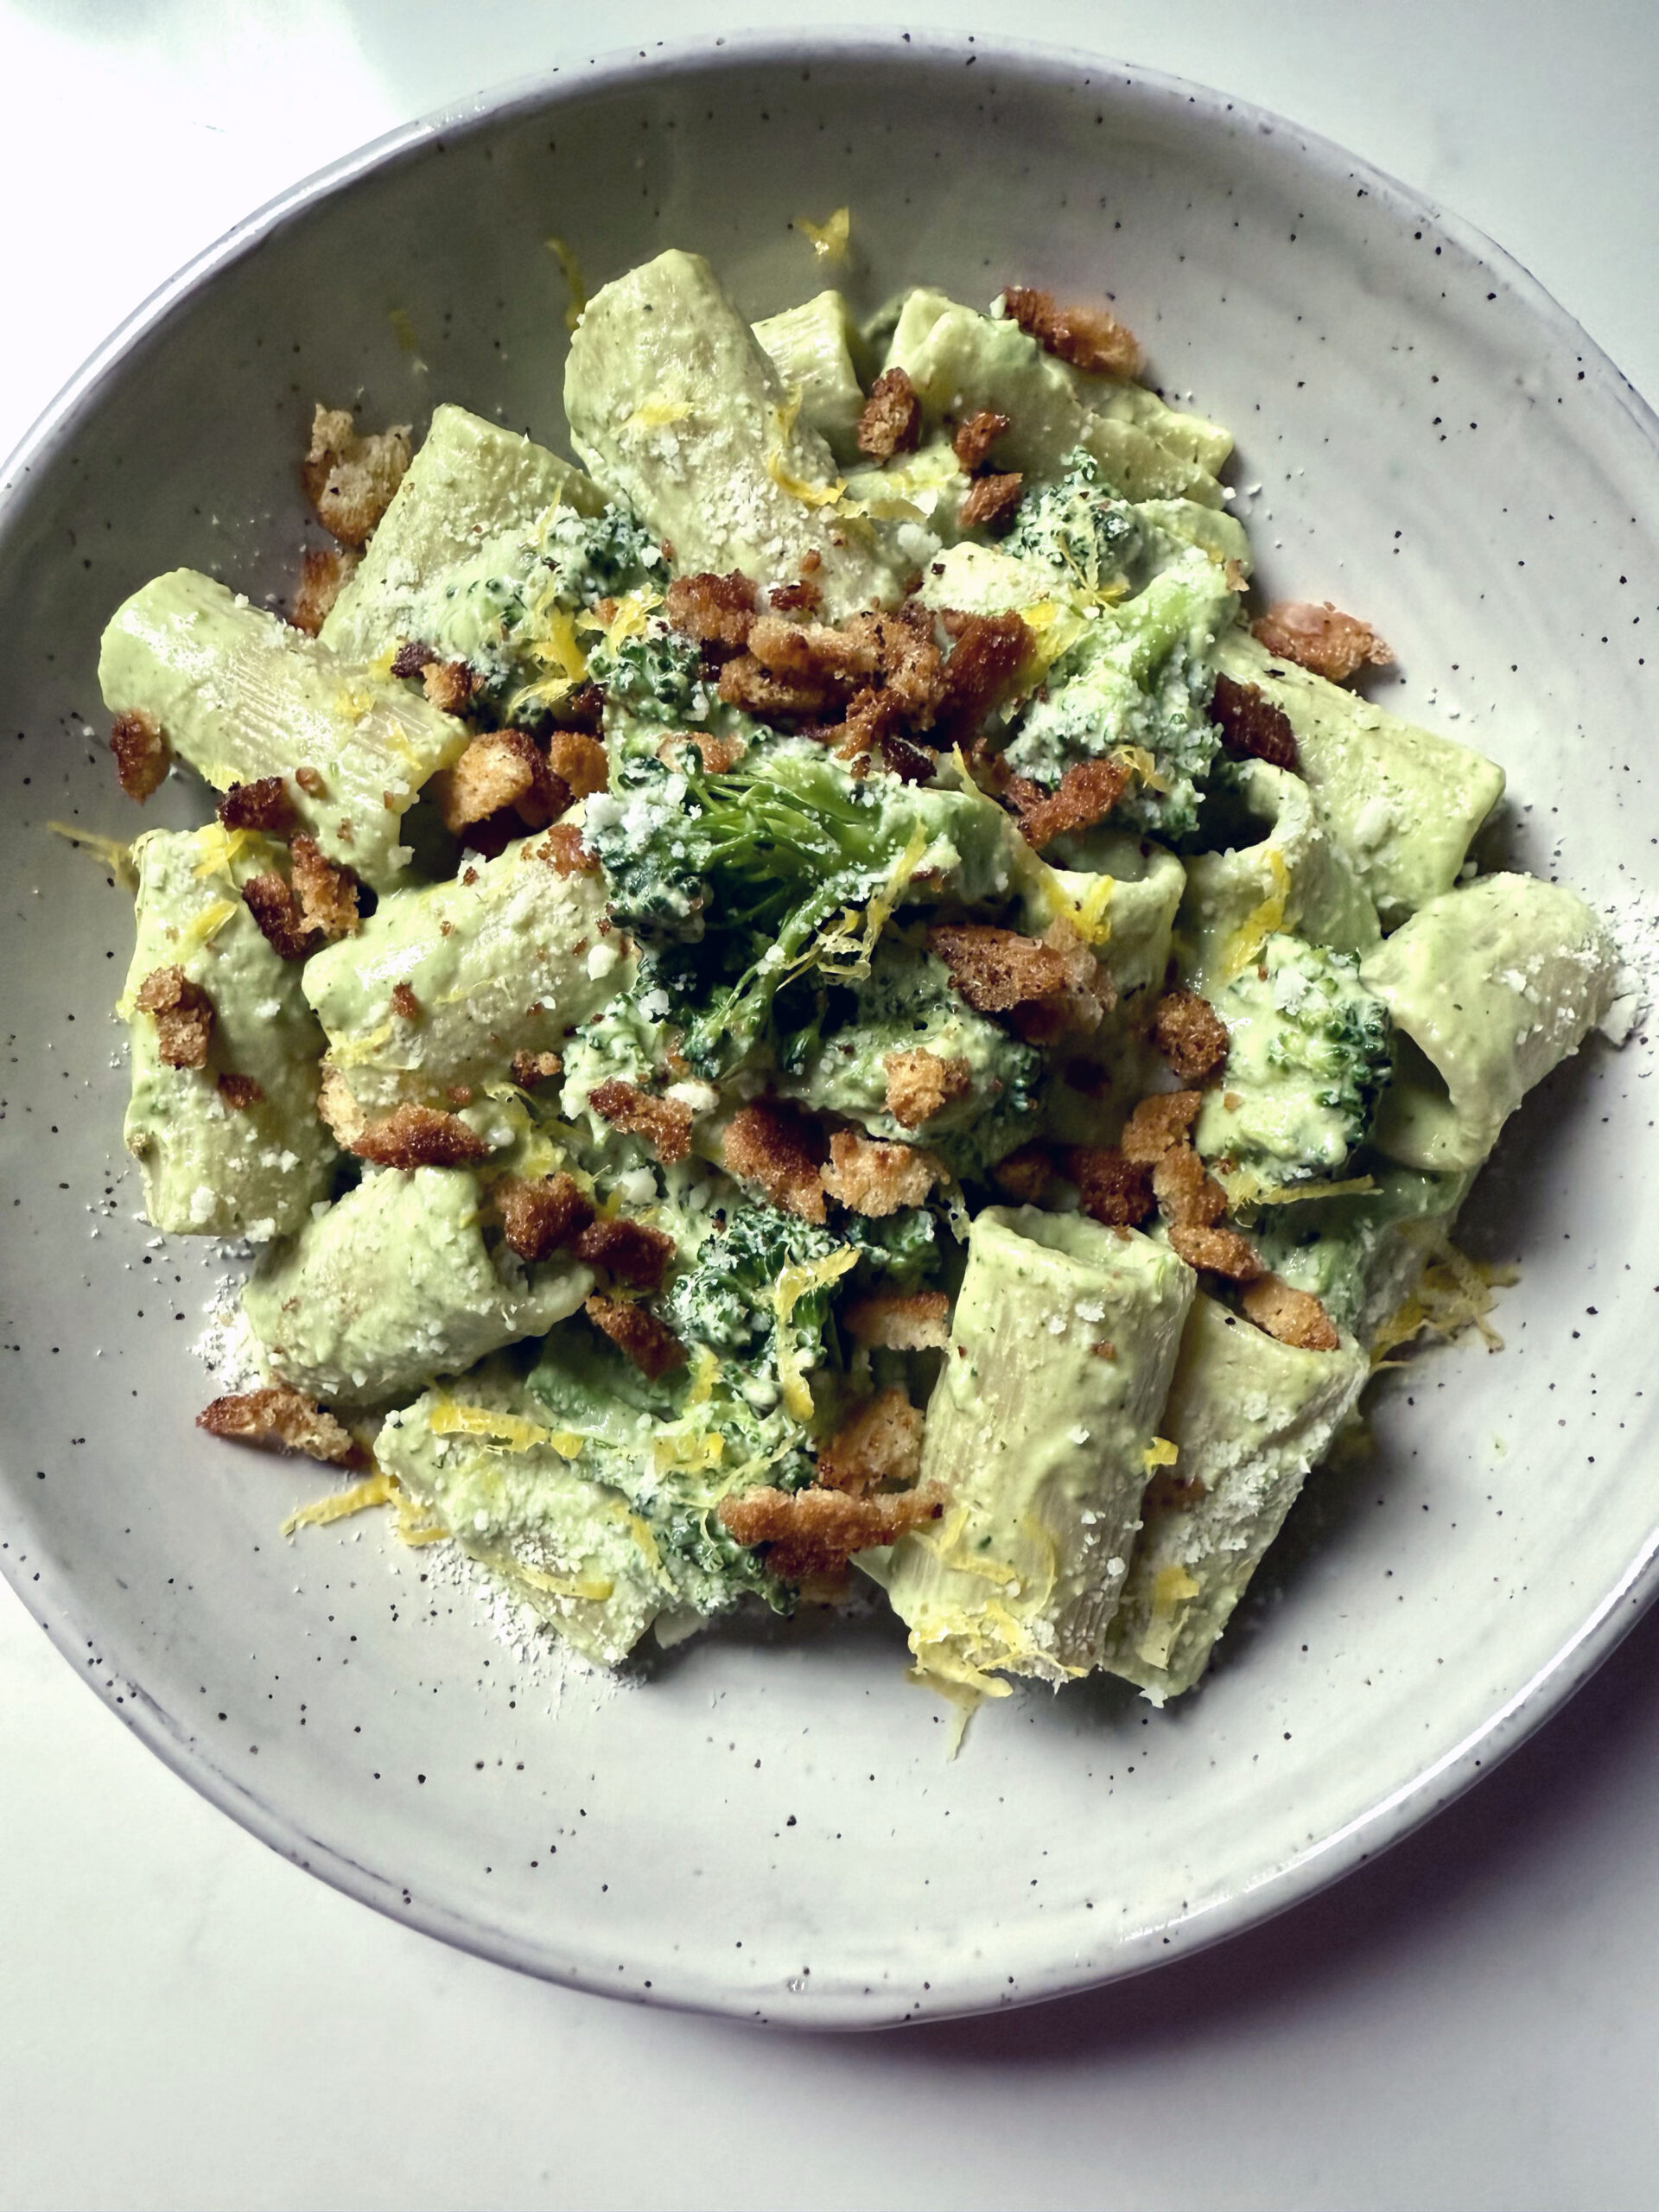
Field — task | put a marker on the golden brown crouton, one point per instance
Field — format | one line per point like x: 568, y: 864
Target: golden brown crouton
x: 1088, y: 337
x: 142, y: 755
x: 563, y: 850
x: 270, y: 898
x: 281, y: 1418
x: 1295, y: 1316
x: 776, y: 1147
x: 1252, y: 727
x: 349, y: 478
x: 578, y: 761
x: 1158, y: 1122
x: 650, y: 1344
x: 892, y: 1320
x: 183, y: 1015
x: 449, y: 684
x: 990, y: 502
x: 921, y: 1083
x: 634, y: 1253
x: 717, y: 752
x: 405, y: 1004
x: 876, y: 1179
x: 327, y: 892
x: 538, y: 1218
x: 239, y: 1091
x: 664, y: 1123
x: 1223, y: 1251
x: 1085, y: 794
x: 1332, y: 644
x: 881, y: 1443
x: 1187, y: 1196
x: 802, y: 596
x: 816, y: 652
x: 418, y: 1136
x: 996, y: 969
x: 507, y: 768
x: 988, y: 653
x: 324, y: 572
x: 1110, y: 1188
x: 264, y: 805
x: 1191, y: 1035
x: 531, y: 1068
x: 811, y: 1532
x: 718, y: 612
x: 1026, y: 1174
x: 891, y: 420
x: 975, y: 438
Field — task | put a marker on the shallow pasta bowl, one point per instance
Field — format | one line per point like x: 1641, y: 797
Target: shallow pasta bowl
x: 769, y: 1826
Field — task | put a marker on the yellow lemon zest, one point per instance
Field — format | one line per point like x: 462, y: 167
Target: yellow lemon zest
x: 794, y: 1281
x: 374, y: 1490
x: 570, y: 270
x: 116, y: 857
x: 1160, y: 1452
x: 591, y: 1589
x: 1262, y: 922
x: 1172, y: 1589
x: 830, y: 238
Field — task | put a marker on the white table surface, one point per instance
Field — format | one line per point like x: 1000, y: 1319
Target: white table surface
x: 187, y: 2020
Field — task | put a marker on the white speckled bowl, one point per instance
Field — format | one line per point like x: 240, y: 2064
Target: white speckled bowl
x: 770, y: 1827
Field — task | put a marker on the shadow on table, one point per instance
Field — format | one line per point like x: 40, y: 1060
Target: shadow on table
x: 1524, y: 1813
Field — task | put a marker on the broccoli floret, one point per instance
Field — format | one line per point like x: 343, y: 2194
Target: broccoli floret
x: 1310, y: 1053
x: 656, y: 672
x: 728, y: 1301
x: 833, y: 1042
x: 1139, y: 679
x: 899, y: 1252
x: 734, y: 883
x: 1094, y: 540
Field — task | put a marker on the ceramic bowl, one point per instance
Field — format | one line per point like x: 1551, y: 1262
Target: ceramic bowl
x: 768, y: 1824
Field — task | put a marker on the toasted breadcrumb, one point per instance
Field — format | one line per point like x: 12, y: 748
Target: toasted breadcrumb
x: 984, y: 665
x: 664, y: 1123
x: 816, y: 652
x: 1158, y: 1122
x: 875, y: 1179
x: 1331, y: 643
x: 349, y: 477
x: 506, y: 768
x: 634, y: 1253
x: 777, y: 1148
x: 816, y: 1531
x: 1171, y: 1491
x: 239, y: 1091
x: 1110, y: 1188
x: 921, y: 1083
x: 990, y: 502
x: 892, y: 1320
x: 183, y: 1015
x: 143, y: 754
x: 538, y: 1218
x: 1252, y: 727
x: 1085, y: 794
x: 310, y: 781
x: 1294, y: 1317
x: 718, y: 612
x: 1191, y: 1035
x: 650, y: 1344
x: 803, y: 596
x: 449, y: 684
x: 891, y: 420
x: 1223, y: 1251
x: 881, y: 1443
x: 975, y: 438
x: 338, y: 1108
x: 563, y: 850
x: 324, y: 572
x: 327, y: 892
x: 264, y: 805
x: 717, y: 751
x: 1090, y: 337
x: 996, y: 969
x: 1187, y: 1196
x: 281, y: 1418
x: 412, y: 658
x: 531, y: 1068
x: 418, y: 1136
x: 578, y: 761
x: 1026, y: 1174
x: 405, y: 1004
x: 270, y: 898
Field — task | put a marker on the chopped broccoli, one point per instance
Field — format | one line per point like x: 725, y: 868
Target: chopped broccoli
x: 1310, y: 1053
x: 728, y: 1301
x: 1094, y: 540
x: 1140, y: 677
x: 735, y: 882
x: 656, y: 672
x: 834, y: 1041
x: 899, y: 1252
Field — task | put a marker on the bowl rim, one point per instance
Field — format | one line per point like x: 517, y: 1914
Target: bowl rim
x: 1402, y: 1809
